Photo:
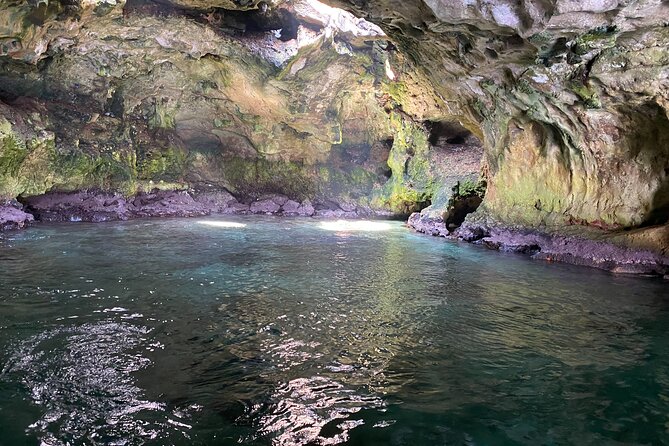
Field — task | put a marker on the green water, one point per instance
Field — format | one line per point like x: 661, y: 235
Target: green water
x: 170, y: 332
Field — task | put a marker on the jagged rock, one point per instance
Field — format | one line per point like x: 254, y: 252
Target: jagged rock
x: 266, y: 206
x: 238, y: 208
x: 215, y: 201
x: 347, y: 207
x: 290, y: 207
x: 166, y: 204
x: 13, y: 217
x: 306, y: 209
x: 96, y: 206
x: 617, y: 252
x: 427, y: 224
x: 92, y: 206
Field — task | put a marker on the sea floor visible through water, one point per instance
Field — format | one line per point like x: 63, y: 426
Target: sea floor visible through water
x: 275, y: 331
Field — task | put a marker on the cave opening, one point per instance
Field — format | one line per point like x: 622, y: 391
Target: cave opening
x: 456, y: 156
x: 449, y: 133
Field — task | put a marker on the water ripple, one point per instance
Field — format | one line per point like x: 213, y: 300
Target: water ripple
x: 312, y: 411
x: 81, y: 377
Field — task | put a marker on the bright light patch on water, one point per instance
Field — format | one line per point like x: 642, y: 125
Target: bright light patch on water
x: 222, y: 224
x: 355, y: 225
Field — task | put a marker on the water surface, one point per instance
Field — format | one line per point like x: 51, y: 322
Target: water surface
x: 173, y: 332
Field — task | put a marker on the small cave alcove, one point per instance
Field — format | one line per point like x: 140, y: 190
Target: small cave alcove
x: 443, y: 134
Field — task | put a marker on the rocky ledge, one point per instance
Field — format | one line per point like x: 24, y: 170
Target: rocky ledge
x: 99, y: 206
x: 12, y: 216
x: 625, y: 252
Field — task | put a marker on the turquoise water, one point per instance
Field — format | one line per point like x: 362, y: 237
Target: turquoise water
x: 165, y: 332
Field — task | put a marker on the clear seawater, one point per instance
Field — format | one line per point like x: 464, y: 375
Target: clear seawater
x: 171, y: 332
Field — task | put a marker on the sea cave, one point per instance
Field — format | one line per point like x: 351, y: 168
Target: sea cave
x: 334, y: 222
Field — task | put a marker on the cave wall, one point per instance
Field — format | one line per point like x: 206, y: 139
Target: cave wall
x: 132, y: 96
x: 570, y: 99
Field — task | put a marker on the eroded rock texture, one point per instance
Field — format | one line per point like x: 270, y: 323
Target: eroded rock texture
x: 247, y: 97
x: 569, y: 98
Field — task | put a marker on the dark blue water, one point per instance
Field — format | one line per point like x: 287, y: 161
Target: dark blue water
x: 171, y: 332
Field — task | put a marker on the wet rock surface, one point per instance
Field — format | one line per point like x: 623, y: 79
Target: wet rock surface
x: 99, y: 206
x: 12, y: 216
x: 428, y: 224
x: 624, y: 253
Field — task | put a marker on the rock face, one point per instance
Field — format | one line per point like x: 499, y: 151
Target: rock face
x: 12, y: 216
x: 569, y: 98
x: 552, y: 115
x: 97, y: 206
x: 126, y: 97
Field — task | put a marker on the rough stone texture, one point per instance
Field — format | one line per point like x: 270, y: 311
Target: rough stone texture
x: 12, y: 216
x: 630, y: 253
x: 426, y: 224
x: 306, y: 209
x: 79, y: 206
x: 216, y: 201
x: 265, y: 206
x: 569, y: 98
x: 97, y: 206
x: 127, y: 97
x: 290, y: 207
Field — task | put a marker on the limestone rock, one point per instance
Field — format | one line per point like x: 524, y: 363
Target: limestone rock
x: 265, y: 206
x: 13, y: 217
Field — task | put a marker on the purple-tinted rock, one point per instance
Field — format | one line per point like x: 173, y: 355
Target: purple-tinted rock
x: 348, y: 207
x: 11, y: 217
x: 166, y: 204
x: 265, y: 206
x: 470, y: 232
x: 427, y: 224
x: 306, y: 209
x: 237, y: 208
x: 290, y: 207
x: 555, y: 247
x: 78, y: 206
x: 215, y: 201
x: 276, y: 198
x: 335, y: 213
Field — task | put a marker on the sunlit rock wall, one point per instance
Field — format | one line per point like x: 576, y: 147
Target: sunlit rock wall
x: 570, y: 99
x: 140, y: 95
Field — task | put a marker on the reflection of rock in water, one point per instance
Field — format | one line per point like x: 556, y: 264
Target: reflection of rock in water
x: 81, y: 378
x: 315, y: 410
